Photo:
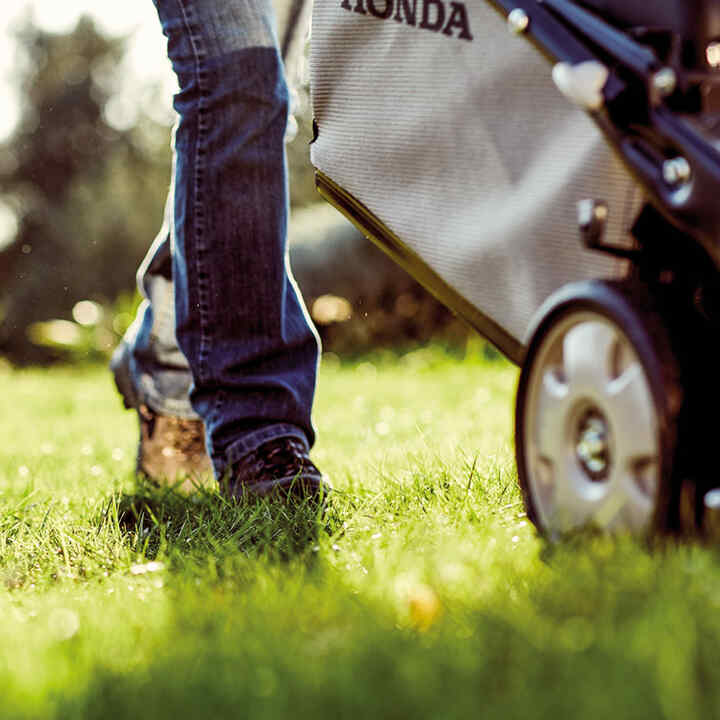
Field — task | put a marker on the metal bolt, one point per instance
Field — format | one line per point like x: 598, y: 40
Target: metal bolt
x: 676, y: 171
x: 711, y: 515
x: 593, y: 446
x: 518, y: 21
x: 586, y: 212
x: 664, y: 82
x: 592, y: 220
x: 712, y: 54
x: 712, y: 499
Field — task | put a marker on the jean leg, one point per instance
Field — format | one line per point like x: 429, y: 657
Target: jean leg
x: 149, y: 366
x: 240, y: 320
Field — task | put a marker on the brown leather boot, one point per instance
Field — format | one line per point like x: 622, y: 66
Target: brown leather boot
x: 172, y: 451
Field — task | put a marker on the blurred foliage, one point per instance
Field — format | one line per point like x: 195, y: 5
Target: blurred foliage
x: 88, y: 197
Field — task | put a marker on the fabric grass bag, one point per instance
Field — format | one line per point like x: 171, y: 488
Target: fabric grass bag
x: 443, y: 137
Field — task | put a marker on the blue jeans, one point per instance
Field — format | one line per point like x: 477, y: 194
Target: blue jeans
x: 223, y: 333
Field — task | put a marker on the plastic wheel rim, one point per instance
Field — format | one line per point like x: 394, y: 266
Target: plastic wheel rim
x: 591, y: 437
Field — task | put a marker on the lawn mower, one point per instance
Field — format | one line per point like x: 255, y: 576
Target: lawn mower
x: 550, y: 170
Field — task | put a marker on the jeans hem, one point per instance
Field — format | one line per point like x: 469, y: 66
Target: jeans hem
x: 164, y: 405
x: 138, y: 388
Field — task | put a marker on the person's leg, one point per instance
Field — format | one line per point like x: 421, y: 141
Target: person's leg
x: 240, y: 322
x: 149, y: 367
x: 153, y: 376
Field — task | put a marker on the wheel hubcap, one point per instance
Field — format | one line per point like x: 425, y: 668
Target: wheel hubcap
x: 591, y: 430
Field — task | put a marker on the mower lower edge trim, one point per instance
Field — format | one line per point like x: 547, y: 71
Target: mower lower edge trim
x: 376, y: 231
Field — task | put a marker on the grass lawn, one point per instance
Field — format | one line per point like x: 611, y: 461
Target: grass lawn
x: 424, y: 593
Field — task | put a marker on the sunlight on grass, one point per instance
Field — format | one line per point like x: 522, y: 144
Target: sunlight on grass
x: 423, y: 591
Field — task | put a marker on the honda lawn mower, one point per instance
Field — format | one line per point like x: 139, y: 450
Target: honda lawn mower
x: 550, y: 170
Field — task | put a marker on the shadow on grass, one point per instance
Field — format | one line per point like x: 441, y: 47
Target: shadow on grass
x: 156, y: 521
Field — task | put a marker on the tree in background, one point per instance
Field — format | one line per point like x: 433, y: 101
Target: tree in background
x: 88, y: 197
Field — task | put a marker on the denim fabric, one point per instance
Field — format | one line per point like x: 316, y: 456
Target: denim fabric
x: 238, y: 317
